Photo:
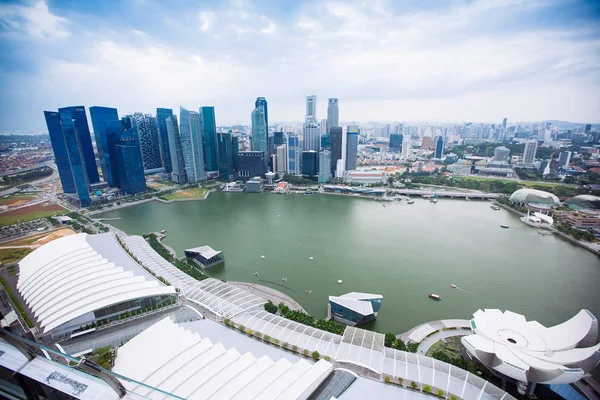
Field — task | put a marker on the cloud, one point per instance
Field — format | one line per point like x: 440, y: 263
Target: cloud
x: 34, y: 19
x: 206, y: 19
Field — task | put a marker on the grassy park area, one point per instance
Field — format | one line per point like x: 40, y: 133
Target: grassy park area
x: 194, y: 193
x: 8, y: 256
x: 16, y: 199
x: 30, y: 213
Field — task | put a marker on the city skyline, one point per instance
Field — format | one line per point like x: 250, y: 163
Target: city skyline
x: 450, y: 62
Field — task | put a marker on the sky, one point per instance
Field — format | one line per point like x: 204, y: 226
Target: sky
x: 396, y: 60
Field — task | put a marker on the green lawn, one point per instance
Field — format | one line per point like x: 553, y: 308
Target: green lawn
x: 521, y: 182
x: 8, y: 256
x: 195, y: 193
x: 16, y: 198
x: 13, y: 219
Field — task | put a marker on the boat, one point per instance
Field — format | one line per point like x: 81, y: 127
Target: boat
x: 284, y: 279
x: 434, y: 296
x: 410, y: 201
x: 434, y: 199
x: 308, y: 291
x: 163, y: 231
x: 538, y: 220
x: 339, y: 281
x: 494, y: 207
x: 467, y: 199
x: 504, y: 226
x: 383, y: 205
x: 262, y: 257
x: 256, y: 274
x: 308, y: 191
x: 311, y: 258
x: 453, y: 286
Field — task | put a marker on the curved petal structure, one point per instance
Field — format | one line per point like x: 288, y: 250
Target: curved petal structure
x: 508, y: 344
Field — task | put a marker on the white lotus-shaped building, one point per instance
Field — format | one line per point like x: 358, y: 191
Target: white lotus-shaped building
x: 527, y: 351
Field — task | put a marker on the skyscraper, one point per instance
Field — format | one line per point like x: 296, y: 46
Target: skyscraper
x: 323, y: 127
x: 504, y: 124
x: 261, y: 101
x: 209, y: 138
x: 76, y: 157
x: 406, y: 146
x: 564, y: 158
x: 129, y: 159
x: 59, y: 147
x: 225, y: 145
x: 311, y: 109
x: 82, y: 129
x: 251, y: 164
x: 501, y: 154
x: 190, y: 132
x: 312, y: 137
x: 278, y: 138
x: 351, y: 147
x: 147, y: 130
x: 259, y: 132
x: 310, y: 164
x: 324, y: 166
x: 100, y: 117
x: 335, y: 138
x: 177, y: 163
x: 333, y: 114
x: 282, y: 159
x: 439, y: 147
x: 588, y: 129
x: 293, y: 148
x: 161, y: 120
x: 396, y: 142
x: 529, y: 152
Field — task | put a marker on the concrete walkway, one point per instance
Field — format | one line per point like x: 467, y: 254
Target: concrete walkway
x: 269, y: 294
x: 429, y: 341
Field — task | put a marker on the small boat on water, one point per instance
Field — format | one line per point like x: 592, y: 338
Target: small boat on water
x: 163, y: 231
x: 311, y: 258
x: 410, y: 201
x: 308, y: 291
x: 308, y: 191
x: 494, y: 207
x: 453, y: 286
x: 262, y: 257
x: 339, y: 281
x: 504, y: 226
x: 434, y: 296
x: 433, y: 200
x: 467, y: 199
x: 284, y: 279
x: 256, y: 274
x: 383, y: 205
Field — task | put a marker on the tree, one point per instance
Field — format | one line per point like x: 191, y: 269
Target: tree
x: 427, y: 389
x: 267, y: 338
x: 413, y: 385
x: 390, y: 338
x: 241, y: 328
x: 305, y: 352
x: 440, y: 393
x: 386, y: 379
x: 412, y: 347
x: 316, y: 355
x: 295, y: 348
x: 400, y: 381
x: 270, y: 307
x: 400, y: 345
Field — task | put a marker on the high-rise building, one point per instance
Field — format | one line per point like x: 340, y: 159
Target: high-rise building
x: 396, y: 142
x: 504, y: 124
x: 61, y: 155
x: 190, y: 131
x: 251, y: 164
x: 310, y: 164
x: 129, y: 159
x: 278, y: 138
x: 312, y: 137
x: 113, y: 131
x: 100, y: 117
x: 564, y: 158
x: 323, y: 127
x: 427, y: 143
x: 259, y: 133
x: 161, y: 120
x: 529, y: 152
x: 311, y: 109
x: 261, y: 101
x: 333, y: 114
x: 147, y: 130
x: 406, y: 146
x: 208, y: 130
x: 235, y: 149
x: 177, y: 163
x: 501, y: 154
x: 326, y: 142
x: 588, y: 129
x: 293, y: 149
x: 225, y: 145
x: 439, y: 147
x: 399, y: 129
x: 335, y: 138
x: 352, y: 147
x: 282, y: 159
x: 82, y: 129
x: 324, y: 166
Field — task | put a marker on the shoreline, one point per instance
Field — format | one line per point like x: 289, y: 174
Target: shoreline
x: 269, y: 294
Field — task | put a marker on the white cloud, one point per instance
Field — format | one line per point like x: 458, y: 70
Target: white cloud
x: 206, y: 20
x: 35, y: 19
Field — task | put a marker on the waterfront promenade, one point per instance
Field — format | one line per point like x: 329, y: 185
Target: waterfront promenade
x: 430, y: 332
x: 269, y: 294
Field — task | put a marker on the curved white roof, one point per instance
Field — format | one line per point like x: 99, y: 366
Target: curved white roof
x: 534, y: 196
x: 529, y: 352
x: 78, y: 274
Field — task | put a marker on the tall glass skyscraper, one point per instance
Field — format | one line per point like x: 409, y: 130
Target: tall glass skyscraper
x: 312, y: 137
x: 335, y: 137
x: 294, y: 155
x: 190, y: 131
x: 351, y: 147
x: 61, y: 156
x: 259, y: 133
x: 209, y: 138
x: 311, y: 109
x: 439, y: 147
x: 82, y: 129
x: 147, y: 130
x: 129, y: 159
x: 225, y: 156
x: 161, y: 120
x: 100, y: 117
x: 76, y: 157
x: 177, y: 163
x: 261, y: 101
x: 333, y: 114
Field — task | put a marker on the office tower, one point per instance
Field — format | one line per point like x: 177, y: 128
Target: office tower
x: 235, y: 149
x: 439, y: 147
x: 351, y: 147
x: 100, y: 117
x: 310, y: 164
x: 82, y: 129
x: 324, y: 166
x: 406, y: 146
x: 129, y: 159
x: 312, y: 137
x: 282, y: 159
x: 293, y: 148
x: 251, y: 164
x: 161, y: 120
x: 529, y: 152
x: 399, y: 129
x: 271, y: 152
x: 588, y: 129
x: 177, y: 163
x: 113, y: 131
x: 564, y: 158
x: 333, y: 114
x: 61, y: 155
x: 261, y: 101
x: 335, y: 138
x: 501, y: 154
x: 504, y: 124
x: 147, y: 131
x: 225, y: 145
x: 278, y: 138
x: 190, y: 131
x: 427, y: 143
x: 311, y: 109
x: 259, y: 133
x: 208, y: 130
x: 396, y: 142
x: 323, y: 127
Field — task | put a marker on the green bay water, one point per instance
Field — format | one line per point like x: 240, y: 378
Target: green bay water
x: 401, y: 251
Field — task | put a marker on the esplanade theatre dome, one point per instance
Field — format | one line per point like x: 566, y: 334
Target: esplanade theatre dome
x: 534, y: 196
x: 584, y: 202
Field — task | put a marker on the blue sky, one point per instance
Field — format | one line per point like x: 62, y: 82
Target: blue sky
x: 393, y: 60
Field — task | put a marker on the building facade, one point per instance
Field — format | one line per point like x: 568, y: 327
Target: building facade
x: 147, y: 130
x: 529, y: 152
x: 259, y: 133
x: 262, y: 102
x: 250, y: 164
x: 208, y: 129
x: 310, y: 164
x: 352, y: 147
x: 177, y: 163
x: 190, y: 132
x: 129, y: 159
x: 294, y: 155
x: 311, y: 108
x: 312, y: 137
x: 333, y: 114
x: 325, y: 166
x: 439, y: 147
x: 335, y: 138
x: 501, y: 154
x: 406, y: 146
x: 76, y: 158
x: 161, y: 120
x: 225, y: 145
x: 396, y: 142
x: 282, y: 159
x: 100, y: 117
x: 61, y: 155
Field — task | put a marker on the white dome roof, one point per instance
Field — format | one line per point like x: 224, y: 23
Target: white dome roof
x: 534, y: 196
